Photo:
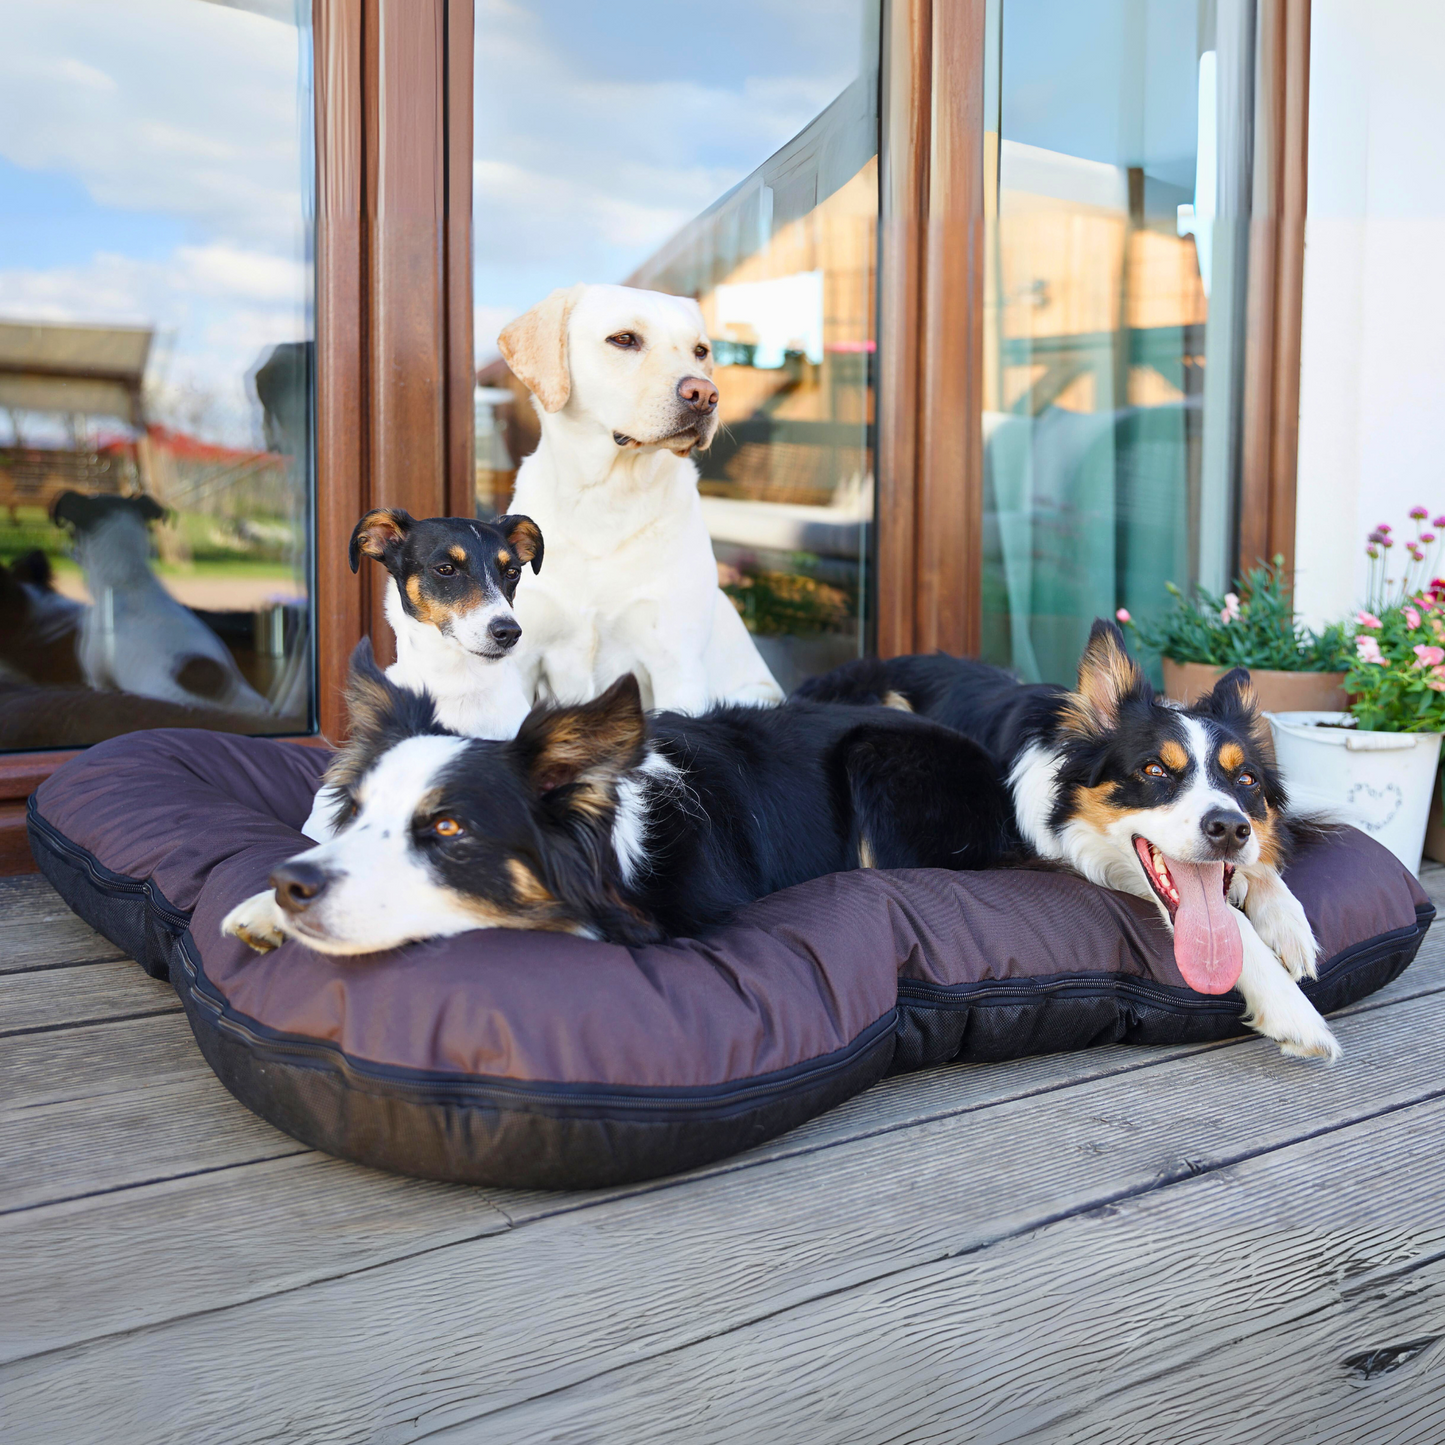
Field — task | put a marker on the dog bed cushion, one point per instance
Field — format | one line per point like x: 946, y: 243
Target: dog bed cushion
x: 545, y: 1060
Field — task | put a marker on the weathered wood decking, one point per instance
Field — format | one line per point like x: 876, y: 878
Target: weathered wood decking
x: 1126, y: 1245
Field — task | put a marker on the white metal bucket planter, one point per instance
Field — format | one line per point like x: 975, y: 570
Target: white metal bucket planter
x: 1381, y: 782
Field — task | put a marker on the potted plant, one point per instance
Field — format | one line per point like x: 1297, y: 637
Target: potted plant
x: 1202, y: 637
x: 1377, y: 762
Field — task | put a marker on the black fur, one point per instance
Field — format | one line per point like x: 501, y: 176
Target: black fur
x: 1005, y: 717
x: 766, y: 798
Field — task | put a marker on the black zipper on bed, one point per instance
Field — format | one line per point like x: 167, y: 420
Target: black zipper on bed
x: 113, y: 882
x: 297, y: 1052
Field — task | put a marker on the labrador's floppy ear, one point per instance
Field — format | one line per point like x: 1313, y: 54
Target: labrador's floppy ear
x: 524, y: 537
x: 535, y: 347
x: 589, y: 745
x: 377, y: 531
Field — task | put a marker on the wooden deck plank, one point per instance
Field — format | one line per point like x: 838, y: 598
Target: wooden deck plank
x: 51, y: 998
x: 37, y: 929
x: 577, y: 1295
x: 1238, y: 1305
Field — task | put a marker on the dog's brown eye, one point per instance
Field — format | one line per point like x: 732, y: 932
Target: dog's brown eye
x: 1155, y: 770
x: 512, y: 573
x: 1246, y: 780
x: 444, y: 569
x: 627, y: 340
x: 700, y: 352
x: 447, y: 828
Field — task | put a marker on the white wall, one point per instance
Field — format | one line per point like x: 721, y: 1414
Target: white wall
x: 1372, y: 400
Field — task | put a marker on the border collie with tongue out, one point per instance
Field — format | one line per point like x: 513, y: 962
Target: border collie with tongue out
x: 1182, y: 806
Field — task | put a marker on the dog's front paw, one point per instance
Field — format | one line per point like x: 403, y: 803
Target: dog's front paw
x: 1295, y: 1026
x: 1314, y: 1044
x: 1279, y: 919
x: 256, y: 922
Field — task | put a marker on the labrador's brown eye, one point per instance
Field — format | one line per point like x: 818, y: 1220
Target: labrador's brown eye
x: 1247, y: 780
x: 447, y: 828
x: 444, y: 569
x: 1155, y: 770
x: 700, y: 352
x: 626, y: 340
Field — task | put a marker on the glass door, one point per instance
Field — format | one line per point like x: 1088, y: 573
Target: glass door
x: 155, y: 368
x: 745, y: 175
x: 1118, y: 204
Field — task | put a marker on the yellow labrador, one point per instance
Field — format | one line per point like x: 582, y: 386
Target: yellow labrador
x: 622, y: 382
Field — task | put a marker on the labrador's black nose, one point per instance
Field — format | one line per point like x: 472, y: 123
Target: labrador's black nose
x: 504, y: 631
x: 298, y: 885
x: 699, y: 393
x: 1225, y: 828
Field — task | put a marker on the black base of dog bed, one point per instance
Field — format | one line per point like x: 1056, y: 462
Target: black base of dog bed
x: 543, y: 1060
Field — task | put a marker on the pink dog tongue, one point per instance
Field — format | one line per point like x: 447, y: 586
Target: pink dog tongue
x: 1207, y: 946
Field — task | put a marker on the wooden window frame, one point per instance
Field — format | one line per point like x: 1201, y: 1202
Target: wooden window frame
x: 394, y: 365
x: 930, y: 447
x: 394, y: 347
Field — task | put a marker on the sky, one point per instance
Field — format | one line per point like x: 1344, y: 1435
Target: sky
x: 603, y: 128
x: 152, y: 156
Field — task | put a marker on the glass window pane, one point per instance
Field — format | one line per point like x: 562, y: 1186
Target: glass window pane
x: 1115, y: 298
x: 746, y: 178
x: 155, y: 368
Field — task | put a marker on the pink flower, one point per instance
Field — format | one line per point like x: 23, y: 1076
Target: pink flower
x: 1428, y: 656
x: 1418, y: 514
x: 1123, y: 615
x: 1427, y: 537
x: 1385, y: 527
x: 1412, y: 618
x: 1436, y: 681
x: 1437, y: 521
x: 1369, y: 650
x: 1231, y: 607
x: 1368, y: 619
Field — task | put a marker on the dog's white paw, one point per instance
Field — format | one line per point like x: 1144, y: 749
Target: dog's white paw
x: 1295, y: 1026
x: 1279, y: 919
x: 257, y: 922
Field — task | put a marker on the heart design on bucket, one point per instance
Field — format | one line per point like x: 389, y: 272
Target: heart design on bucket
x: 1380, y: 810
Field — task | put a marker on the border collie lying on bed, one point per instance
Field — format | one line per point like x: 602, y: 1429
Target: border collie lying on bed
x: 598, y: 820
x: 1182, y: 806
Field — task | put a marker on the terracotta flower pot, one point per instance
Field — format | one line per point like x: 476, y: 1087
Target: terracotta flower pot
x: 1277, y: 691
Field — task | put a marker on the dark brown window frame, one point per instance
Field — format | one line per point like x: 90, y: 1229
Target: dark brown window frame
x: 394, y: 346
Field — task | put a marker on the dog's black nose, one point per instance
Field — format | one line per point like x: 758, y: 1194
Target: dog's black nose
x: 504, y: 631
x: 699, y: 393
x: 1225, y: 828
x: 298, y: 885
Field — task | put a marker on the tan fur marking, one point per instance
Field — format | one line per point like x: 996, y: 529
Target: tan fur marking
x: 504, y: 559
x: 530, y: 889
x: 866, y: 857
x: 434, y: 613
x: 1231, y: 757
x: 1173, y: 756
x: 895, y: 700
x: 1266, y: 829
x: 1095, y: 807
x: 457, y: 554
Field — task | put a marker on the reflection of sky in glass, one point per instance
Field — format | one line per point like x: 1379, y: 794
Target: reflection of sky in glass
x: 150, y: 173
x: 602, y: 128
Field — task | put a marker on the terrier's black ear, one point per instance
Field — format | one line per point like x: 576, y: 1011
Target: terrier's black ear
x: 1107, y: 677
x: 378, y: 534
x: 589, y: 745
x: 70, y: 508
x: 150, y: 510
x: 523, y: 536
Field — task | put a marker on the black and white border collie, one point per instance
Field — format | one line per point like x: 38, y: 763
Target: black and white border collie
x: 452, y: 581
x: 599, y: 820
x: 1182, y: 806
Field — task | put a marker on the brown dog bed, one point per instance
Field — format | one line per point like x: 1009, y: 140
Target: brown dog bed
x: 539, y: 1059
